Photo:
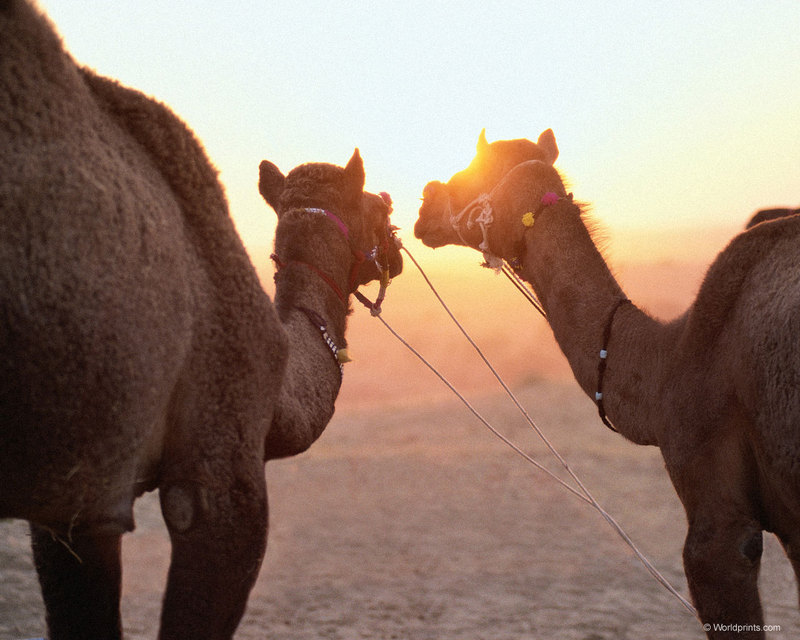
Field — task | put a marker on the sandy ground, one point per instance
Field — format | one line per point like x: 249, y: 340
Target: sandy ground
x: 409, y: 520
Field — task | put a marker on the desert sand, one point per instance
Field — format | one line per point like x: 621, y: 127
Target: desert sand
x: 409, y: 520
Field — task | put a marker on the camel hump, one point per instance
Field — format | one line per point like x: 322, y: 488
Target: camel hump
x: 29, y: 27
x: 37, y: 75
x: 116, y: 252
x: 766, y: 215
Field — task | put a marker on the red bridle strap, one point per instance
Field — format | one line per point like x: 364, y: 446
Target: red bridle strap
x: 323, y: 276
x: 359, y: 258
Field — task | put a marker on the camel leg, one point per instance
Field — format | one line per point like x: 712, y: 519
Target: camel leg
x: 791, y: 546
x: 218, y: 532
x: 722, y: 560
x: 80, y: 584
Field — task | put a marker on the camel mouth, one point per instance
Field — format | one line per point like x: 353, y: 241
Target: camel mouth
x: 429, y: 235
x: 434, y: 210
x: 432, y: 241
x: 387, y: 261
x: 429, y: 229
x: 395, y: 264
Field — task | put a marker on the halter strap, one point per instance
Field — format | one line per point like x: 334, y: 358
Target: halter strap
x: 332, y: 216
x: 548, y: 199
x: 603, y: 363
x: 359, y: 258
x: 280, y: 264
x: 339, y: 354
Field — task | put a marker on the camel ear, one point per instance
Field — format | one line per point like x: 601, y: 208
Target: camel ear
x: 270, y: 183
x: 482, y: 142
x: 354, y: 173
x: 547, y: 143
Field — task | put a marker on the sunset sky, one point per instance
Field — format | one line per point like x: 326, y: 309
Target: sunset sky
x: 668, y: 114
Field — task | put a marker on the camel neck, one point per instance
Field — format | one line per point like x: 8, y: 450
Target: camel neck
x: 316, y: 261
x: 313, y: 273
x: 582, y: 300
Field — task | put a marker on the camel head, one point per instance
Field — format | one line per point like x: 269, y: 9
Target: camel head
x: 362, y: 217
x: 377, y: 209
x: 492, y: 161
x: 495, y: 223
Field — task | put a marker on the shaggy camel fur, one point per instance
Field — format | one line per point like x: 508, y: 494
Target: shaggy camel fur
x: 138, y: 348
x: 717, y: 389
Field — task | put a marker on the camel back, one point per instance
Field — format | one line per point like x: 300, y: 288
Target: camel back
x: 122, y: 280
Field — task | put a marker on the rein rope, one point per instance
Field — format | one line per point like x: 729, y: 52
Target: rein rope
x: 582, y: 492
x: 482, y: 205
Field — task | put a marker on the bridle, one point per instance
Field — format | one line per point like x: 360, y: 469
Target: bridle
x: 378, y: 255
x: 479, y: 212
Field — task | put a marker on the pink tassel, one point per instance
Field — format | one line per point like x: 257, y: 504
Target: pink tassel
x: 550, y: 198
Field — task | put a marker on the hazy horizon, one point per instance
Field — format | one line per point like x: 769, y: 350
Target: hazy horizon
x: 668, y: 115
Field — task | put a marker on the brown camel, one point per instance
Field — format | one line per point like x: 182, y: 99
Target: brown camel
x: 138, y: 348
x: 717, y: 389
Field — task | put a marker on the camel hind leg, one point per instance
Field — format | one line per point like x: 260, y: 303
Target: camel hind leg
x: 80, y: 582
x: 722, y: 564
x: 791, y: 546
x: 218, y: 533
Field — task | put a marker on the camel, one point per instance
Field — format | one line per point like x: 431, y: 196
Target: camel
x: 138, y: 348
x: 716, y: 389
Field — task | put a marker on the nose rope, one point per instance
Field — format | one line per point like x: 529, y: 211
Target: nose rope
x: 484, y: 219
x: 383, y: 284
x: 583, y: 492
x: 477, y: 213
x: 455, y: 219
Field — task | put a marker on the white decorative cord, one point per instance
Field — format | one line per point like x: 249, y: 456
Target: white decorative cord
x: 584, y: 494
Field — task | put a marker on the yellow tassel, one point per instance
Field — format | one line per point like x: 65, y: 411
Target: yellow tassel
x: 528, y: 219
x: 342, y: 356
